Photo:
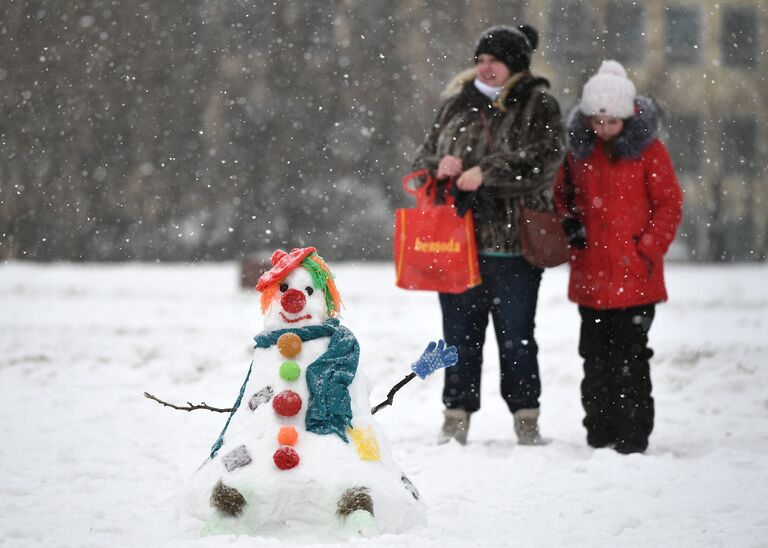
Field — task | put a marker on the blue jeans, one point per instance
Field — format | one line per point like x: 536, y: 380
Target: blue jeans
x: 509, y: 292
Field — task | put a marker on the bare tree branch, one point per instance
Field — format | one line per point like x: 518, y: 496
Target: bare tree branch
x: 391, y: 395
x: 189, y: 406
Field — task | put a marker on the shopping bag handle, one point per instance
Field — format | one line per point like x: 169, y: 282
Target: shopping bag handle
x: 426, y: 193
x: 416, y: 175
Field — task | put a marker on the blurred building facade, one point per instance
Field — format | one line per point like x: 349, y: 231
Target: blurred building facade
x: 197, y: 130
x: 705, y: 63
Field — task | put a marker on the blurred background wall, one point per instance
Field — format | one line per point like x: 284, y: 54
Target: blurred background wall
x: 200, y: 130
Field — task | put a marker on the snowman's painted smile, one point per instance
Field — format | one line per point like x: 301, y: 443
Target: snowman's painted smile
x: 294, y: 320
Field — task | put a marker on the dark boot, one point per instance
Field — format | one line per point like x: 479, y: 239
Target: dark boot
x: 635, y: 408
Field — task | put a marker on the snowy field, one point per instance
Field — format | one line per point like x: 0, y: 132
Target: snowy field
x: 87, y: 461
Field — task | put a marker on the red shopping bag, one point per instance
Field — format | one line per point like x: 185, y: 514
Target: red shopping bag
x: 434, y: 247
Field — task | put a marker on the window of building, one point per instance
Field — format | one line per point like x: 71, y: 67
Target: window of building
x: 569, y: 37
x: 738, y: 145
x: 738, y: 37
x: 625, y: 26
x: 682, y: 38
x: 685, y: 142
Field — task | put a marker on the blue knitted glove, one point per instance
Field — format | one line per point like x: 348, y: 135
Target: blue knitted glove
x: 435, y: 357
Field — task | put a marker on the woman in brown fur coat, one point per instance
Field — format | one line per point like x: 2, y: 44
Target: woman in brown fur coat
x: 499, y: 136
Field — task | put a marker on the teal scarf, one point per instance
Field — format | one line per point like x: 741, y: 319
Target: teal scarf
x: 329, y: 410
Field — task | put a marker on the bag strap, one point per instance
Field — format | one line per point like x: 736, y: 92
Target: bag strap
x: 426, y: 194
x: 570, y: 190
x: 524, y: 121
x: 490, y: 145
x: 526, y: 114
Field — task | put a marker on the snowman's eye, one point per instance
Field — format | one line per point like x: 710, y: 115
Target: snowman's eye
x: 283, y: 287
x: 309, y: 290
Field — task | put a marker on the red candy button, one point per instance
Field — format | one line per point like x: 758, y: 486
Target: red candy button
x: 287, y: 403
x: 286, y: 458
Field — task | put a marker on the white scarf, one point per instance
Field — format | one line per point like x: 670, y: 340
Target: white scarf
x: 492, y: 92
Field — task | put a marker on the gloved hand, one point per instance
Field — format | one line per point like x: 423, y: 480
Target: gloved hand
x: 575, y: 232
x: 435, y: 357
x: 480, y: 200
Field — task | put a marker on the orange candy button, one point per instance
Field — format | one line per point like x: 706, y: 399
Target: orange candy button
x: 287, y: 435
x: 289, y: 344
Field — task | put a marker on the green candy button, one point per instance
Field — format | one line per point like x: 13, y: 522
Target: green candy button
x: 290, y: 371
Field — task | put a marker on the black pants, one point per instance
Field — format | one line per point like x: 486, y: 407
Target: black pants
x: 508, y: 294
x: 616, y: 390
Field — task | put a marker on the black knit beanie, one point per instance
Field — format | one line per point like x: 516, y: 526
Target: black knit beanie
x: 512, y: 46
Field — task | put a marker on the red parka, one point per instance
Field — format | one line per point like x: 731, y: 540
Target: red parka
x: 631, y: 205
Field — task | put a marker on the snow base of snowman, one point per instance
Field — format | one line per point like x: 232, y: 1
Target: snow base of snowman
x: 301, y: 453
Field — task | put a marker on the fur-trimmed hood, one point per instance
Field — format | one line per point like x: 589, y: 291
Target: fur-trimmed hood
x: 639, y: 131
x: 517, y: 88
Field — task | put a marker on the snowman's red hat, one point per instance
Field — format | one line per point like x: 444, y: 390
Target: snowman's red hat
x: 283, y: 264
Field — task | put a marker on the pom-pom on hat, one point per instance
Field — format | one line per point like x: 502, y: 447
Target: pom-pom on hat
x: 513, y: 46
x: 609, y: 92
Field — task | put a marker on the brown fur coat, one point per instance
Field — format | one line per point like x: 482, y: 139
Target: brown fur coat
x: 518, y: 142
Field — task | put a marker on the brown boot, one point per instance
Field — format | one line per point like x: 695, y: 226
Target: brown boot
x: 527, y: 427
x: 455, y: 426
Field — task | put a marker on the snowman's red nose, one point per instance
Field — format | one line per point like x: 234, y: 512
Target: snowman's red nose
x: 293, y: 301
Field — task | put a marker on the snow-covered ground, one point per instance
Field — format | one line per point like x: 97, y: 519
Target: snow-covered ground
x: 87, y: 461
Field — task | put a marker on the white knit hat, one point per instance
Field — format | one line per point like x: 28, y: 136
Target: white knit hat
x: 609, y: 92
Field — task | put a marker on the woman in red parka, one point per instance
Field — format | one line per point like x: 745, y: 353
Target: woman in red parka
x: 622, y: 209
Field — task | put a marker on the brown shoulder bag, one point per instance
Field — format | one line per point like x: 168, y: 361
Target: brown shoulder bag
x: 543, y: 241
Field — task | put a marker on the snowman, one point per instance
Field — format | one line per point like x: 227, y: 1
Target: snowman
x: 301, y: 449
